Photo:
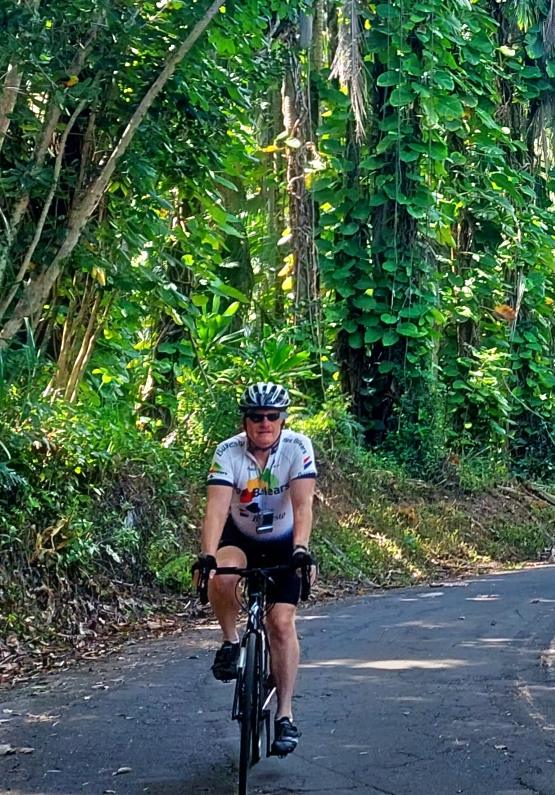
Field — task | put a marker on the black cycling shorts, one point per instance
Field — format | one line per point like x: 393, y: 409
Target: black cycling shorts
x: 286, y: 586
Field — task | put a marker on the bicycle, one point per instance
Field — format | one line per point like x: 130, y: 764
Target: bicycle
x: 254, y: 688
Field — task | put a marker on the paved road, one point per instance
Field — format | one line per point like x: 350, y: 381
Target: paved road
x: 424, y: 691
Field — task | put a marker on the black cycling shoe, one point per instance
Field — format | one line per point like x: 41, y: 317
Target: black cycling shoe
x: 286, y: 737
x: 224, y: 667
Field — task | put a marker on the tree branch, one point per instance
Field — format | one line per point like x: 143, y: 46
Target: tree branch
x: 44, y: 213
x: 37, y: 292
x: 52, y: 117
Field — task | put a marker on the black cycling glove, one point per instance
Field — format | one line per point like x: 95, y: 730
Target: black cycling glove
x: 302, y: 562
x: 204, y: 564
x: 302, y: 559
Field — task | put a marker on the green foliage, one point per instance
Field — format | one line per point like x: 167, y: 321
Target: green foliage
x: 83, y: 482
x: 513, y: 542
x: 332, y: 427
x: 419, y: 439
x: 479, y: 470
x: 436, y: 225
x: 205, y: 415
x: 430, y: 228
x: 275, y: 358
x: 177, y: 572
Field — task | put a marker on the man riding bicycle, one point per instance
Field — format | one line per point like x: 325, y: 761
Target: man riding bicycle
x: 259, y: 513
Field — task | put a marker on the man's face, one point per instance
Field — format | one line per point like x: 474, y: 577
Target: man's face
x: 263, y: 426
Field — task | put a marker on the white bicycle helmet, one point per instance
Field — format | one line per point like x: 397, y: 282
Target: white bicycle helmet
x: 264, y: 395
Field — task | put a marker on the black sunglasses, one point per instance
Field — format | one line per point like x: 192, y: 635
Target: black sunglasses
x: 271, y: 415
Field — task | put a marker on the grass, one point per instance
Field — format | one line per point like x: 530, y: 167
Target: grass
x: 376, y: 526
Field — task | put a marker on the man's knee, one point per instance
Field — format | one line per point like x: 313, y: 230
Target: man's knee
x: 281, y: 623
x: 223, y: 586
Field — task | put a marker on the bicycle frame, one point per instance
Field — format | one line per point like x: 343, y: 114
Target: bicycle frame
x: 256, y: 594
x: 253, y: 689
x: 256, y: 584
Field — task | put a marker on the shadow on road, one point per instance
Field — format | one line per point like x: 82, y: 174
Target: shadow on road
x: 217, y: 780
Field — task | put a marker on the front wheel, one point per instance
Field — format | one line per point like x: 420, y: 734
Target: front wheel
x: 247, y: 711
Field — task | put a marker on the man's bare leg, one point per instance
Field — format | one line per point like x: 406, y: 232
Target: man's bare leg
x: 285, y: 654
x: 222, y: 592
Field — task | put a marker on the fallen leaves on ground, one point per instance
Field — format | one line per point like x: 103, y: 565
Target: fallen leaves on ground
x: 89, y: 629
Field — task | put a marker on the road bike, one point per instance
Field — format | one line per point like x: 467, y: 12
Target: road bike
x: 254, y: 688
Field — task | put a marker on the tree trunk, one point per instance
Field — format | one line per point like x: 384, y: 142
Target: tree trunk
x: 70, y: 337
x: 237, y: 249
x: 85, y: 351
x: 8, y: 98
x: 301, y: 214
x: 317, y: 50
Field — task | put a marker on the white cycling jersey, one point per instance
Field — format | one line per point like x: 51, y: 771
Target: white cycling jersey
x: 261, y: 504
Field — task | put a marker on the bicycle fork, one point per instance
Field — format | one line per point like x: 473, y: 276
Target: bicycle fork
x: 265, y: 689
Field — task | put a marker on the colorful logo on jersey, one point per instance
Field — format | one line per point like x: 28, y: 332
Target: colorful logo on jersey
x: 307, y: 462
x: 265, y: 484
x: 215, y: 468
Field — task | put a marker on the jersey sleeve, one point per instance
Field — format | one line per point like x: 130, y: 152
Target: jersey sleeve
x: 221, y: 468
x: 303, y: 464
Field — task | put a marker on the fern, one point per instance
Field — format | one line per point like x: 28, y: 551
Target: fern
x: 9, y: 479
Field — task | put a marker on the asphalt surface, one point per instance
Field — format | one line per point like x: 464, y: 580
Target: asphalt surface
x: 424, y: 691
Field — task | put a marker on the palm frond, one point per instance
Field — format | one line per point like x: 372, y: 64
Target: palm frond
x: 10, y: 479
x: 524, y: 13
x: 348, y: 64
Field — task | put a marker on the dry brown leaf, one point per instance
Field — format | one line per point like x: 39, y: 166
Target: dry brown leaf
x: 505, y: 312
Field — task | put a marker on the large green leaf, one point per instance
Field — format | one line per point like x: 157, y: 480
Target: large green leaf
x: 401, y: 96
x: 388, y: 79
x: 390, y: 338
x: 408, y: 330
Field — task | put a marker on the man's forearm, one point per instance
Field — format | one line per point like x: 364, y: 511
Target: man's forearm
x: 302, y: 526
x: 217, y: 511
x: 211, y: 533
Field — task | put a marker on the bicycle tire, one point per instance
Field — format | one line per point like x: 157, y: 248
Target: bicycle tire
x: 261, y: 691
x: 247, y: 708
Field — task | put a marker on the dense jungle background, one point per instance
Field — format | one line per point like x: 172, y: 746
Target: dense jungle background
x: 354, y: 199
